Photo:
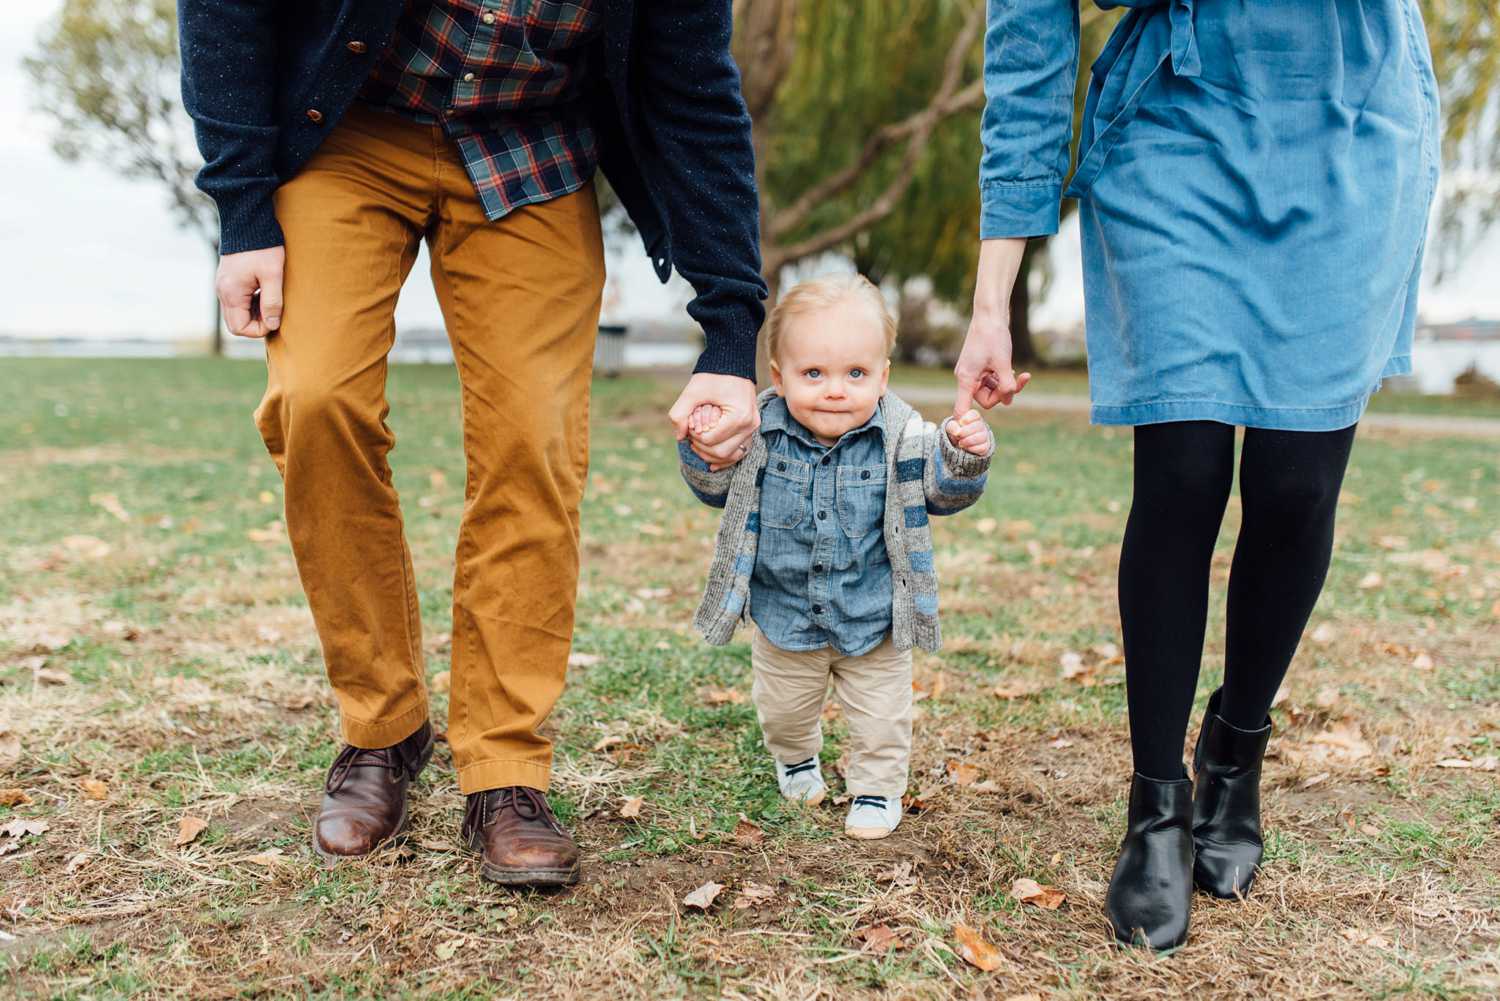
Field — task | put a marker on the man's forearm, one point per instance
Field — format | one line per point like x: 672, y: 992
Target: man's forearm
x: 229, y: 90
x: 702, y: 131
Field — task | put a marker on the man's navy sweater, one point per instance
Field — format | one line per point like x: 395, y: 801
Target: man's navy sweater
x: 265, y: 81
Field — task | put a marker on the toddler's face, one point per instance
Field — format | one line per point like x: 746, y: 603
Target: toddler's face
x: 831, y: 368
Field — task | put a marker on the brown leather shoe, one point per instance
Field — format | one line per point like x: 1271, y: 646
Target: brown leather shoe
x: 519, y: 840
x: 364, y: 798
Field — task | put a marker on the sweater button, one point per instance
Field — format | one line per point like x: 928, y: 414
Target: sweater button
x: 864, y: 475
x: 822, y: 515
x: 817, y: 609
x: 817, y: 568
x: 315, y: 116
x: 357, y: 47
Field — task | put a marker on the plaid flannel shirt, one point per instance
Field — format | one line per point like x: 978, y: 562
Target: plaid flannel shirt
x: 503, y: 79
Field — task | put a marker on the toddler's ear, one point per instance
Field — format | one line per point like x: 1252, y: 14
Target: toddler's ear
x: 776, y: 379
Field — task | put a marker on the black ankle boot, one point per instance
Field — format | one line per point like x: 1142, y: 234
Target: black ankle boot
x: 1151, y: 890
x: 1226, y: 804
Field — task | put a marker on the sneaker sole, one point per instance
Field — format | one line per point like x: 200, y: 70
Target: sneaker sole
x: 812, y: 800
x: 869, y: 833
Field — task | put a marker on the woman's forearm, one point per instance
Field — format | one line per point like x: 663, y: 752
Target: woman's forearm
x: 999, y: 262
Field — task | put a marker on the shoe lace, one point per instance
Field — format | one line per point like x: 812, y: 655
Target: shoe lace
x: 352, y: 757
x: 528, y: 804
x: 876, y: 801
x: 801, y: 766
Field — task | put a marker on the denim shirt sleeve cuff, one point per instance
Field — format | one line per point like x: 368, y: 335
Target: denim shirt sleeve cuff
x: 1018, y: 209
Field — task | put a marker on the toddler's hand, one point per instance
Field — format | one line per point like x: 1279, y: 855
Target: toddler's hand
x: 970, y: 433
x: 703, y: 418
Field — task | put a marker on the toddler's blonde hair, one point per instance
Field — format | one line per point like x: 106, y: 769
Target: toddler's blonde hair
x: 822, y: 292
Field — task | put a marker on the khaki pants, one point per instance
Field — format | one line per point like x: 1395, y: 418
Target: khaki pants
x: 875, y: 691
x: 520, y: 297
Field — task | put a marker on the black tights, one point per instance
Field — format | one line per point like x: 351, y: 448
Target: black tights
x: 1289, y: 487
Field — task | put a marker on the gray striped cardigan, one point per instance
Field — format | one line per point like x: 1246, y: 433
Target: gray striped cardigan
x: 926, y: 474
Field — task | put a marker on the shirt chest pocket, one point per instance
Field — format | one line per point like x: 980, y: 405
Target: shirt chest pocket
x: 784, y: 494
x: 861, y: 499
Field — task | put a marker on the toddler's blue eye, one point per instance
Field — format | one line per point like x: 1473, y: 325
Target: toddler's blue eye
x: 856, y: 373
x: 813, y: 373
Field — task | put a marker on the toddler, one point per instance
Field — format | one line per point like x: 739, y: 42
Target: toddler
x: 825, y: 544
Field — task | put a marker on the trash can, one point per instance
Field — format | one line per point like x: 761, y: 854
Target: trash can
x: 609, y: 350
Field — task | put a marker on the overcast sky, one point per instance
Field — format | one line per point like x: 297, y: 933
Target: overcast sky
x: 89, y: 254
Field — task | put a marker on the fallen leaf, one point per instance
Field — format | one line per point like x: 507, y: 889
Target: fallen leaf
x: 631, y: 808
x: 87, y: 545
x: 273, y: 532
x: 576, y: 659
x: 931, y: 687
x: 703, y: 897
x: 1282, y: 694
x: 49, y: 676
x: 446, y: 950
x: 1392, y: 542
x: 442, y: 681
x: 1017, y: 528
x: 1314, y: 780
x: 14, y: 797
x: 723, y: 696
x: 1029, y: 891
x: 1488, y: 763
x: 10, y: 749
x: 1422, y: 662
x: 270, y: 856
x: 608, y: 741
x: 111, y: 504
x: 1059, y: 743
x: 961, y: 773
x: 20, y: 828
x: 188, y: 829
x: 1361, y: 937
x: 266, y: 497
x: 747, y: 834
x: 1324, y: 634
x: 647, y: 528
x: 1326, y: 697
x: 94, y: 789
x: 437, y: 480
x: 1346, y: 741
x: 1072, y: 664
x: 974, y: 949
x: 78, y: 861
x: 986, y: 526
x: 653, y: 593
x: 1370, y: 581
x: 878, y: 938
x: 1016, y: 690
x: 752, y: 894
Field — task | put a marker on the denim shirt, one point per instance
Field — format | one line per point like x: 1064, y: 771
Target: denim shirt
x: 822, y: 575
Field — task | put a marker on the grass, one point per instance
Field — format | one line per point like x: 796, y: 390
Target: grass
x: 153, y: 637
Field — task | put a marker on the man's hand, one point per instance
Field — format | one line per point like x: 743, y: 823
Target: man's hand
x: 970, y: 433
x: 249, y: 288
x: 728, y: 440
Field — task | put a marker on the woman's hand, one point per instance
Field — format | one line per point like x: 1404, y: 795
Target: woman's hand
x: 984, y: 371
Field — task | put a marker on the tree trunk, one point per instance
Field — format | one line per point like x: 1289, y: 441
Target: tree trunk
x: 1023, y: 349
x: 216, y: 339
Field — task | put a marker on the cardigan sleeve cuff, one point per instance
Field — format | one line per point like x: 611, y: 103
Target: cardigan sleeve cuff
x: 961, y: 464
x: 730, y: 335
x: 247, y: 217
x: 1018, y: 209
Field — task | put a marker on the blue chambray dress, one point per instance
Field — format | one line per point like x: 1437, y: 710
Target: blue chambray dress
x: 1254, y: 182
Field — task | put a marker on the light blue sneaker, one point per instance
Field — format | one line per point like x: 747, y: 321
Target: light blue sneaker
x: 872, y: 817
x: 802, y: 782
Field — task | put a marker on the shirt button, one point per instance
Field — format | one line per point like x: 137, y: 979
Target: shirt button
x: 825, y: 460
x: 781, y: 466
x: 358, y: 48
x: 865, y: 475
x: 488, y: 18
x: 817, y: 568
x: 314, y: 115
x: 822, y: 515
x: 817, y: 609
x: 468, y: 78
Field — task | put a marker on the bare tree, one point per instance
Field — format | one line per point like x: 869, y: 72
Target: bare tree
x: 106, y: 73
